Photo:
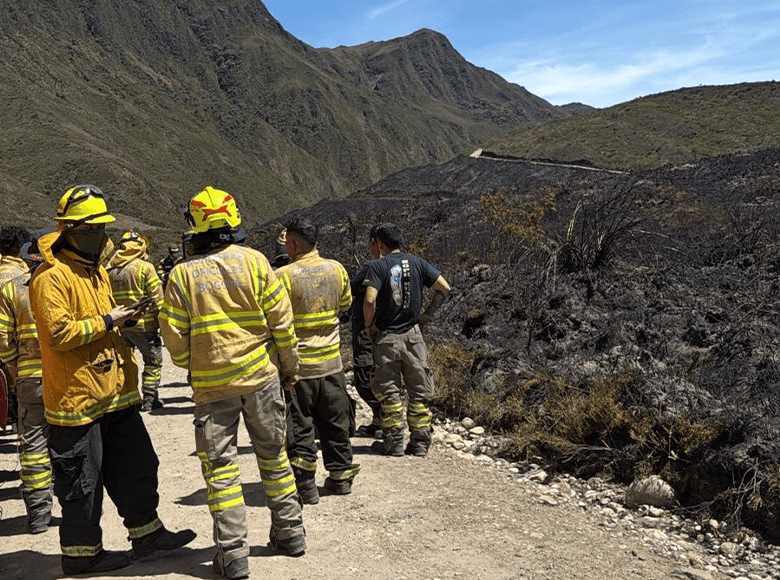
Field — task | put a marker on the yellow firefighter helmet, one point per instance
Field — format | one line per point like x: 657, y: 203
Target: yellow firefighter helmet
x: 84, y: 204
x: 212, y: 209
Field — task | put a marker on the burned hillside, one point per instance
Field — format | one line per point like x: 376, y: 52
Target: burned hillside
x: 609, y: 323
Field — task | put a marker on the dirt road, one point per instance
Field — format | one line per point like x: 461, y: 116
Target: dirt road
x: 434, y: 518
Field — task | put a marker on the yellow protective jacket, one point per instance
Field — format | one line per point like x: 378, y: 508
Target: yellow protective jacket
x: 132, y: 278
x: 319, y: 289
x: 87, y: 370
x: 10, y: 268
x: 18, y: 338
x: 227, y: 318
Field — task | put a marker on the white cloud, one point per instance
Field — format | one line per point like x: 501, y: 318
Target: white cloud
x: 603, y: 76
x: 382, y: 10
x: 595, y: 82
x: 635, y: 49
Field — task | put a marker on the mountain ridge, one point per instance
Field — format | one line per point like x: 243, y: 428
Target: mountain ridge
x: 676, y: 127
x: 152, y: 102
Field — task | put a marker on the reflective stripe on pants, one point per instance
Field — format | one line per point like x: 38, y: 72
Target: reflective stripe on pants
x: 397, y: 358
x: 36, y: 474
x: 216, y: 428
x: 114, y: 452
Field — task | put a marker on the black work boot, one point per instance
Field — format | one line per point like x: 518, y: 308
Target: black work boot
x: 394, y: 442
x: 307, y: 491
x: 338, y: 486
x: 372, y: 431
x: 295, y: 546
x: 151, y: 402
x: 103, y: 561
x: 160, y: 541
x: 416, y: 448
x: 238, y: 568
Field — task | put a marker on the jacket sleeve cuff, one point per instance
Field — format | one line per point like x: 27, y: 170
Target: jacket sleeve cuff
x: 109, y: 322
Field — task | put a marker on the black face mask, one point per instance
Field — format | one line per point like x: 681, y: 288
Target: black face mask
x: 87, y: 242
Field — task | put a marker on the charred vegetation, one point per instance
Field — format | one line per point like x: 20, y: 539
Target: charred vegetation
x: 611, y: 324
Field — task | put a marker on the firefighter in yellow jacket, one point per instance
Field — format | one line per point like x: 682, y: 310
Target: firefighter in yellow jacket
x: 319, y: 290
x: 228, y: 320
x: 11, y: 265
x: 20, y: 352
x: 134, y: 278
x: 97, y: 437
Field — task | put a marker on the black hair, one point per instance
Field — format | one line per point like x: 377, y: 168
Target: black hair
x: 12, y: 238
x: 389, y: 234
x: 304, y: 228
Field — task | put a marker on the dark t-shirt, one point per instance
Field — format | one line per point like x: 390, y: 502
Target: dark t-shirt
x: 399, y: 279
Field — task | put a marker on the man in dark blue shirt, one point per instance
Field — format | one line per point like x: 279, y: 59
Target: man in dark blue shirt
x: 393, y: 314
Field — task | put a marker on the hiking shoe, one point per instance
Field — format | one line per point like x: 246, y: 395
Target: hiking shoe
x: 294, y: 547
x: 238, y: 568
x: 103, y: 561
x: 338, y: 487
x: 418, y: 449
x: 161, y: 540
x: 307, y: 491
x: 369, y: 431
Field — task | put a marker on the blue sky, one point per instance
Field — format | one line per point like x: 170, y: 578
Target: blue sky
x: 596, y: 52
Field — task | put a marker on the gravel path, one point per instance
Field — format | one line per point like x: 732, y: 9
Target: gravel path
x: 434, y: 518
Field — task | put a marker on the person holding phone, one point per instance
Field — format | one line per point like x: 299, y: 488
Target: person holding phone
x: 97, y: 437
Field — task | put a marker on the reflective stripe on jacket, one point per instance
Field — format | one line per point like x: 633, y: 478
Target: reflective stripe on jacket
x: 319, y: 289
x: 227, y: 318
x: 135, y: 280
x: 88, y: 371
x: 18, y: 338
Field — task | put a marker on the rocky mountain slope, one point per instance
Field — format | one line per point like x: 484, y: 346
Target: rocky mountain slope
x: 152, y: 101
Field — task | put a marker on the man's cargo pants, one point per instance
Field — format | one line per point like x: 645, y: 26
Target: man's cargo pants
x: 216, y: 432
x: 114, y: 452
x: 36, y: 471
x: 322, y: 405
x: 403, y: 356
x: 149, y: 344
x: 363, y: 368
